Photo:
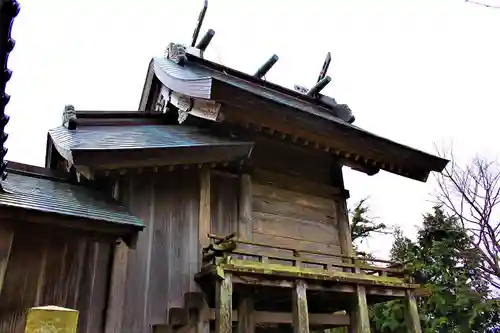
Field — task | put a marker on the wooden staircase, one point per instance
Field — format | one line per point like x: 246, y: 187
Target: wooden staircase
x: 185, y: 319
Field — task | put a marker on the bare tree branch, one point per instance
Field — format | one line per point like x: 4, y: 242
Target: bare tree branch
x: 472, y: 194
x: 479, y: 3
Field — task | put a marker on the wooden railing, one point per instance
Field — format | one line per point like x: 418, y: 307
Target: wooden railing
x: 266, y: 253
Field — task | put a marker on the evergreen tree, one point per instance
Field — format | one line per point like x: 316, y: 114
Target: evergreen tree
x: 459, y: 300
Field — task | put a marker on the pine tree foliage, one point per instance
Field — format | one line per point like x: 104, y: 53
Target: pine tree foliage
x: 460, y: 298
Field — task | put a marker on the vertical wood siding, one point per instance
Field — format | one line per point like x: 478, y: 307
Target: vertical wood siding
x: 53, y: 266
x: 162, y: 267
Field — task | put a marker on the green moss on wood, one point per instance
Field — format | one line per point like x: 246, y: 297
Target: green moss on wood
x: 242, y: 266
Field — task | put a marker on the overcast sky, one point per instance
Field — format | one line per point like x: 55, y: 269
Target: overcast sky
x: 421, y: 72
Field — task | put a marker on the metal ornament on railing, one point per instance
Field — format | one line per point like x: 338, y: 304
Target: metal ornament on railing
x: 8, y: 11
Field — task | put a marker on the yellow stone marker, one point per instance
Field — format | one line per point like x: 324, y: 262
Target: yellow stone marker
x: 51, y: 319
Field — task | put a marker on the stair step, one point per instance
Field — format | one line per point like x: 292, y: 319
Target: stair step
x: 194, y: 301
x: 178, y: 317
x: 162, y: 328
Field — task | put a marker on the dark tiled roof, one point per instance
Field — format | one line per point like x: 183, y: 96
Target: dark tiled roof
x: 158, y: 142
x: 8, y: 11
x: 46, y: 194
x: 135, y: 137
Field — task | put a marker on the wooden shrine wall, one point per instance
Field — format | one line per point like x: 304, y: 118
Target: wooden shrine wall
x: 46, y: 265
x: 295, y: 197
x: 284, y: 214
x: 161, y: 269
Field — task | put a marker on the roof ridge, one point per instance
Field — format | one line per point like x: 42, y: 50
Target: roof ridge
x: 34, y: 171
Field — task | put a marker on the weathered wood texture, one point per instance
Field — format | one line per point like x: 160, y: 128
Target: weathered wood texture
x: 162, y: 267
x: 224, y: 305
x: 411, y: 313
x: 299, y: 308
x: 286, y: 213
x: 56, y: 266
x: 224, y: 204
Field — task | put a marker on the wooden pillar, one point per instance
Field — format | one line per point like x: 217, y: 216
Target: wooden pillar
x: 224, y: 305
x: 51, y: 319
x: 204, y: 221
x: 204, y: 217
x: 246, y: 321
x: 344, y: 228
x: 118, y: 281
x: 6, y: 239
x: 360, y: 320
x: 299, y: 308
x: 411, y: 313
x: 245, y: 207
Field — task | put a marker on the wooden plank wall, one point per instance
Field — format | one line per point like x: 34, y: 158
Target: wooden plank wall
x: 295, y: 197
x: 52, y: 266
x: 161, y: 269
x: 293, y: 218
x: 224, y: 203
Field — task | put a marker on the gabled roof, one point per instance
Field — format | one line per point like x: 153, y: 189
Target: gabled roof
x: 248, y: 100
x: 102, y: 145
x: 38, y: 189
x: 197, y: 78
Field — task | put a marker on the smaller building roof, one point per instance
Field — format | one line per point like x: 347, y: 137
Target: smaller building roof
x: 34, y: 189
x: 91, y: 145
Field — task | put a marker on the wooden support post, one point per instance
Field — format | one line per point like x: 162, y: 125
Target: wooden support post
x: 245, y: 208
x: 118, y: 281
x: 344, y: 228
x: 224, y: 305
x: 204, y: 217
x: 411, y: 315
x: 203, y: 324
x: 51, y: 319
x: 360, y: 320
x: 6, y: 238
x: 299, y: 308
x: 246, y: 321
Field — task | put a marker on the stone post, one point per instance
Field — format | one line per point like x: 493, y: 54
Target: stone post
x: 51, y: 319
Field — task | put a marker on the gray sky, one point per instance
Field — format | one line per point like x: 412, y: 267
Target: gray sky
x: 421, y: 72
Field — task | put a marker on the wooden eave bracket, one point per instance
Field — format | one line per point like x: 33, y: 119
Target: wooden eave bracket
x: 187, y: 105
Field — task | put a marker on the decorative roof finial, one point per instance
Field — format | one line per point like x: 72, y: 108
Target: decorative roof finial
x: 199, y: 23
x: 205, y: 40
x: 262, y: 71
x: 69, y: 117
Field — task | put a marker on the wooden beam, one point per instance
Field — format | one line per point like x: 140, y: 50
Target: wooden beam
x: 299, y: 308
x: 361, y: 319
x: 246, y: 321
x: 6, y: 239
x: 224, y: 305
x: 315, y: 319
x: 245, y: 207
x: 411, y: 315
x: 204, y: 217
